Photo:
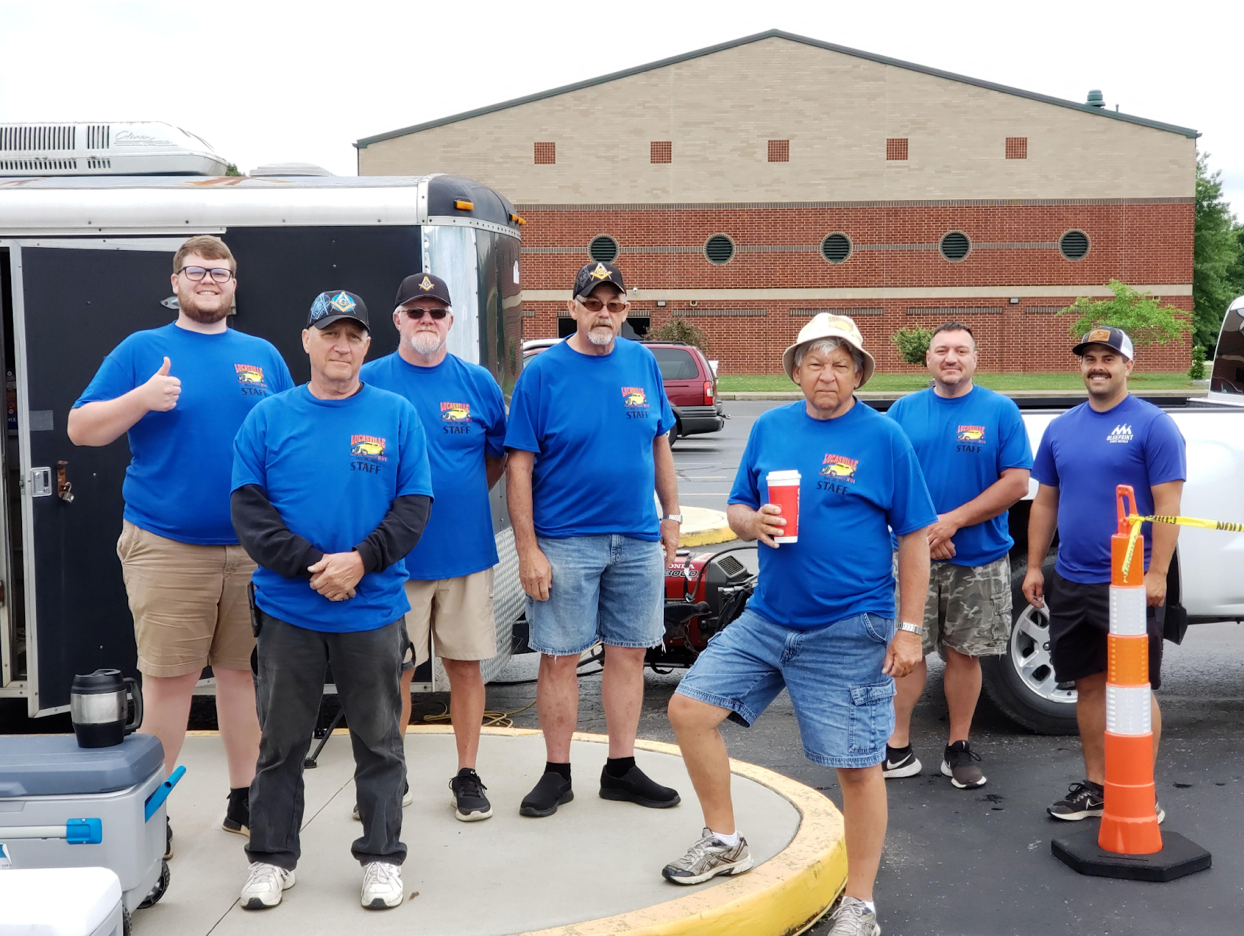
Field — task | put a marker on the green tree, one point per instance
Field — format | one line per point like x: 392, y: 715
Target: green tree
x: 912, y: 343
x: 1216, y: 256
x: 679, y: 329
x: 232, y: 170
x: 1146, y: 320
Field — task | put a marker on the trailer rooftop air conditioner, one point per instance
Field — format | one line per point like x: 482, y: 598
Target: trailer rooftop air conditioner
x: 84, y: 149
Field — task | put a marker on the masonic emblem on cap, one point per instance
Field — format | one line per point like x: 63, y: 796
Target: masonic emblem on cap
x: 426, y: 284
x: 600, y: 273
x: 342, y: 303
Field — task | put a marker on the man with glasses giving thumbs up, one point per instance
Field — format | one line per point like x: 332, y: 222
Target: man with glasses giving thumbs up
x: 180, y: 392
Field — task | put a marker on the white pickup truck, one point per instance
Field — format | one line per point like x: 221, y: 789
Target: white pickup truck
x: 1205, y: 581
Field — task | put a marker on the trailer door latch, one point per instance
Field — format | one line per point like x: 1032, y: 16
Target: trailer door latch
x: 40, y: 482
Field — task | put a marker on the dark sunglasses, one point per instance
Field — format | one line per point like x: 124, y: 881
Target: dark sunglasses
x: 437, y: 313
x: 595, y: 305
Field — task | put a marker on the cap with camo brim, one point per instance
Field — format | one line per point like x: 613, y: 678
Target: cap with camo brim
x: 1114, y: 338
x: 335, y: 305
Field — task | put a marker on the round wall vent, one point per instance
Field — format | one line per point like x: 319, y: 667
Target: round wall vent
x: 603, y: 249
x: 836, y: 248
x: 719, y: 249
x: 1074, y: 245
x: 955, y: 245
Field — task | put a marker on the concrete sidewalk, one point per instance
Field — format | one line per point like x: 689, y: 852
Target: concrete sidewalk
x: 592, y: 861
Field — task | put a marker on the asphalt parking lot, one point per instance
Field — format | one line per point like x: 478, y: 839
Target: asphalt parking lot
x: 961, y: 863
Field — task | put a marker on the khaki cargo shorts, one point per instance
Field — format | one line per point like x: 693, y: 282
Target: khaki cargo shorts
x: 188, y: 601
x: 456, y: 614
x: 968, y: 608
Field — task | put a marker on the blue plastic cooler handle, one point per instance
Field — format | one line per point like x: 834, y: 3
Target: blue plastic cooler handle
x: 84, y: 831
x: 156, y: 799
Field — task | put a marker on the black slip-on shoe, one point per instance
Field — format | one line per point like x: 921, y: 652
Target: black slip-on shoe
x: 635, y: 786
x: 552, y: 790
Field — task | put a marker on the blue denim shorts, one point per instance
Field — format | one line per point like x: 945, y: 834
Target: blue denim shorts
x: 605, y: 588
x: 844, y: 706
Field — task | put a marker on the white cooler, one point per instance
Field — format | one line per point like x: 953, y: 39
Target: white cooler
x: 61, y: 902
x: 64, y: 806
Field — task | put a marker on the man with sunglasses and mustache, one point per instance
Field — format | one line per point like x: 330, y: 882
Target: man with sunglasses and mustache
x: 180, y: 393
x: 451, y: 570
x: 588, y: 445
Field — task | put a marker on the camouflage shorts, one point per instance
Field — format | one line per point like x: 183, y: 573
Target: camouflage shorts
x: 968, y: 608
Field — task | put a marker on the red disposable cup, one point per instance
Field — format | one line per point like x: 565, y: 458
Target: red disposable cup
x: 784, y: 492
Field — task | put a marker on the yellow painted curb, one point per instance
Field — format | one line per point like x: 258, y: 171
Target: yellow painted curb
x: 721, y: 534
x: 780, y: 897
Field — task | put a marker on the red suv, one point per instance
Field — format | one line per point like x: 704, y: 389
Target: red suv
x: 691, y: 387
x: 689, y: 381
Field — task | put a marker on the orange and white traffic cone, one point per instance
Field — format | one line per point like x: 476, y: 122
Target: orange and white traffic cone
x: 1128, y: 844
x: 1129, y: 824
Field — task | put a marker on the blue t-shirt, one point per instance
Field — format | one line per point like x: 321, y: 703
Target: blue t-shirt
x: 1086, y: 454
x: 591, y: 420
x: 859, y: 477
x: 177, y: 483
x: 332, y: 469
x: 463, y: 414
x: 963, y: 445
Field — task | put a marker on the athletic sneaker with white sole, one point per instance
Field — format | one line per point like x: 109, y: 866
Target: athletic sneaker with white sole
x: 265, y: 883
x: 900, y: 762
x: 708, y: 858
x: 853, y: 918
x: 1084, y: 800
x: 957, y: 765
x: 407, y: 799
x: 382, y: 886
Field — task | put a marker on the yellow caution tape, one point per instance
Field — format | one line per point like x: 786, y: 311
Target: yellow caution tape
x: 1136, y: 521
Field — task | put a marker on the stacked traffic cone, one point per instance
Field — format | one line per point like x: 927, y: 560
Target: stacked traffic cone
x: 1129, y: 844
x: 1129, y: 825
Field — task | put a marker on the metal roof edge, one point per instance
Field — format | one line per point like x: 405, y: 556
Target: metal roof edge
x: 792, y: 37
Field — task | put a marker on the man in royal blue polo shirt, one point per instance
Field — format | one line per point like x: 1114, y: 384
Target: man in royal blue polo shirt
x: 974, y: 451
x: 331, y: 489
x: 821, y: 623
x: 450, y: 585
x: 1088, y: 451
x: 180, y: 393
x: 587, y: 441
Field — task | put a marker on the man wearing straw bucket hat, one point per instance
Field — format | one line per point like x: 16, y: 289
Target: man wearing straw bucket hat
x: 821, y: 484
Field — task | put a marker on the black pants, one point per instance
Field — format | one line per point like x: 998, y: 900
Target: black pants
x: 1080, y: 625
x: 366, y: 669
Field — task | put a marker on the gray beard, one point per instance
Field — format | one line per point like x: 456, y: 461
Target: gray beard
x: 427, y: 342
x: 600, y: 336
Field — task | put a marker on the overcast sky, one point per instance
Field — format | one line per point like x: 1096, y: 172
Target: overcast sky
x: 276, y: 82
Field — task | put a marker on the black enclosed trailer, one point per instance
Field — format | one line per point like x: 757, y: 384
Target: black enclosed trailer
x: 85, y: 261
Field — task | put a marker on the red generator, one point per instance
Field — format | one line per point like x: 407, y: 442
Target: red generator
x: 704, y: 591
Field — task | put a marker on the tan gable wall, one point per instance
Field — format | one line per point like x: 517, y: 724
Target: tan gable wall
x: 837, y: 111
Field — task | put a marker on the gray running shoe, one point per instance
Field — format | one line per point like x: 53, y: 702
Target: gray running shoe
x: 853, y: 918
x: 957, y: 765
x: 900, y: 762
x: 1084, y: 800
x: 708, y: 858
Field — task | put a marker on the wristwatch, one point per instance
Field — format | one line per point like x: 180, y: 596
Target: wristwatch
x: 677, y: 518
x: 917, y: 629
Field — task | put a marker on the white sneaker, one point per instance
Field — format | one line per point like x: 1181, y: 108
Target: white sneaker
x: 407, y: 799
x: 264, y: 885
x: 382, y: 886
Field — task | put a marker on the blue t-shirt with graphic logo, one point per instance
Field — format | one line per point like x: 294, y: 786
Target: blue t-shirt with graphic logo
x: 963, y: 445
x: 463, y: 414
x: 591, y: 421
x: 177, y: 483
x: 858, y: 478
x: 332, y: 469
x: 1086, y: 454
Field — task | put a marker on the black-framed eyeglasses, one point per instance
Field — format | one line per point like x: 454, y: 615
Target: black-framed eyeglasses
x: 595, y: 305
x: 438, y: 313
x: 196, y: 273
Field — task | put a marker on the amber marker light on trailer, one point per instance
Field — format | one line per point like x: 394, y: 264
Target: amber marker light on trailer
x: 463, y: 205
x: 517, y: 220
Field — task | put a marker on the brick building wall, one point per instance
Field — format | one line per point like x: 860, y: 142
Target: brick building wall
x: 894, y: 270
